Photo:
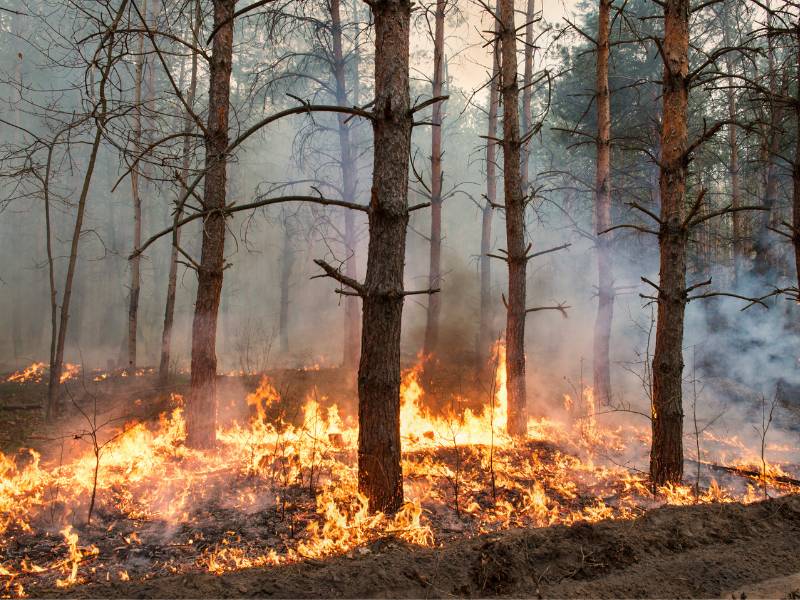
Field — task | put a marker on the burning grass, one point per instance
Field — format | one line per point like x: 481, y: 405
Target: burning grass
x: 281, y: 488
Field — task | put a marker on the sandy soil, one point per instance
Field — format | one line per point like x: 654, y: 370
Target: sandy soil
x: 693, y: 552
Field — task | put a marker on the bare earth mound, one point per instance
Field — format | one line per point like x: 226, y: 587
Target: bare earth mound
x: 697, y: 551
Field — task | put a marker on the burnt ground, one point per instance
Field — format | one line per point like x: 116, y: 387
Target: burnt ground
x: 697, y: 551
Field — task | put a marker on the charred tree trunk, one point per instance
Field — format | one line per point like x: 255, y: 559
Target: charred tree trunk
x: 380, y: 476
x: 485, y: 333
x: 602, y: 212
x: 349, y: 185
x: 437, y: 176
x: 101, y: 114
x: 666, y: 455
x: 135, y: 285
x: 172, y: 278
x: 201, y: 410
x: 514, y: 201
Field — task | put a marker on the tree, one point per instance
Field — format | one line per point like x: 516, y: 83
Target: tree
x: 765, y: 258
x: 437, y: 178
x: 527, y: 91
x: 602, y: 207
x: 380, y: 476
x: 133, y: 305
x: 172, y: 277
x: 99, y: 115
x: 676, y: 223
x: 514, y: 205
x: 485, y: 333
x: 728, y: 19
x: 201, y: 407
x: 347, y: 164
x: 666, y: 457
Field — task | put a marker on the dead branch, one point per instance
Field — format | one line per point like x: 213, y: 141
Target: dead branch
x: 234, y: 208
x: 548, y: 251
x: 560, y: 307
x: 334, y: 273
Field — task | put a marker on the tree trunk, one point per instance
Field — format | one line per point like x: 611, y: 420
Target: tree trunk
x: 527, y: 94
x: 737, y: 217
x: 602, y: 208
x: 51, y: 271
x: 287, y: 258
x: 764, y: 259
x: 796, y: 176
x: 435, y: 263
x: 135, y: 286
x: 349, y: 184
x: 57, y: 355
x: 666, y: 455
x: 485, y: 333
x: 19, y: 306
x: 172, y: 279
x: 201, y: 410
x: 380, y: 475
x: 515, y: 223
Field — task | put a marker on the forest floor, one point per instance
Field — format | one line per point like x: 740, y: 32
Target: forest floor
x: 708, y: 550
x: 702, y: 551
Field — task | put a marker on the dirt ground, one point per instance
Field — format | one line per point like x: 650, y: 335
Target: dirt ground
x: 703, y: 551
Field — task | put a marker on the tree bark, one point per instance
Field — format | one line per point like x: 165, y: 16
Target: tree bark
x: 666, y: 456
x: 602, y: 208
x: 515, y: 223
x: 135, y: 285
x: 485, y: 333
x: 435, y: 256
x: 347, y: 164
x: 379, y: 469
x: 201, y: 409
x: 172, y: 278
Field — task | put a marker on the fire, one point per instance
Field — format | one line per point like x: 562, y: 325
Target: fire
x: 419, y: 429
x: 70, y: 371
x: 76, y: 556
x: 32, y: 372
x: 295, y: 465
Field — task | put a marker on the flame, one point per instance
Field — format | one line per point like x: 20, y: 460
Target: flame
x: 420, y: 429
x: 69, y: 371
x: 299, y: 464
x: 32, y: 372
x: 76, y: 556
